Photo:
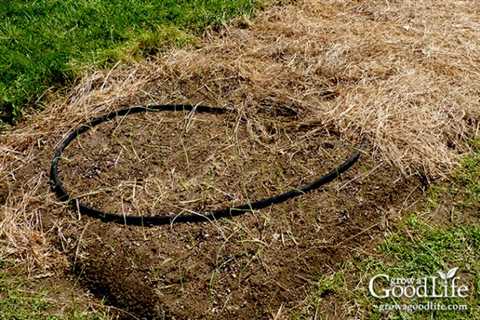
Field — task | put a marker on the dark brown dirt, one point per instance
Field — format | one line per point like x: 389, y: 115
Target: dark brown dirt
x: 244, y: 268
x: 175, y: 163
x: 247, y: 267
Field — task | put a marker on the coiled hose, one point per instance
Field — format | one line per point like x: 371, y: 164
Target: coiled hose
x: 139, y: 220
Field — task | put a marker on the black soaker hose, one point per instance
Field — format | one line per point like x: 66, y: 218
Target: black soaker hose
x: 63, y: 195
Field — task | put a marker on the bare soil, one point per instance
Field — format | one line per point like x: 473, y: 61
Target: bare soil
x: 247, y: 267
x: 183, y: 163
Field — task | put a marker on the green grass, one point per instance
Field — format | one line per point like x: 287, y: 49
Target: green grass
x: 468, y: 179
x: 47, y: 43
x: 429, y: 250
x: 418, y: 247
x: 18, y: 301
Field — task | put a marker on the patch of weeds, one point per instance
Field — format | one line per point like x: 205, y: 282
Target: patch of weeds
x: 434, y: 195
x: 329, y: 285
x: 468, y: 178
x: 18, y: 301
x: 417, y: 249
x: 421, y: 251
x: 424, y: 251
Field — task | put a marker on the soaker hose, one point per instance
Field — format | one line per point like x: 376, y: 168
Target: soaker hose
x: 139, y: 220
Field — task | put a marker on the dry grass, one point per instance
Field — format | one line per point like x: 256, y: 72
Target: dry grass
x: 404, y: 74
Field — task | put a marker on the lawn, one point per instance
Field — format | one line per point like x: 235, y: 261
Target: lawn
x: 48, y: 43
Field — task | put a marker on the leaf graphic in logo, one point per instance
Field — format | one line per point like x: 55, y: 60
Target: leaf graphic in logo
x: 442, y: 275
x: 451, y: 273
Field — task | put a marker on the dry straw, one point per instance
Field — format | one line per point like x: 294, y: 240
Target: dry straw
x: 405, y: 74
